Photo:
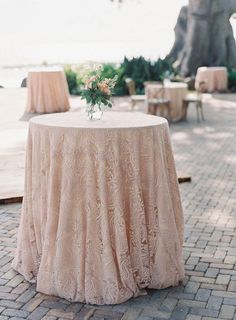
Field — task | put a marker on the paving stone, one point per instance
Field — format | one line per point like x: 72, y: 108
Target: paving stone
x: 15, y: 281
x: 203, y: 294
x: 21, y: 288
x: 74, y: 307
x: 161, y: 315
x: 212, y: 272
x: 179, y: 313
x: 193, y: 260
x: 194, y: 273
x: 168, y: 304
x: 132, y: 314
x: 222, y: 266
x: 230, y: 259
x: 219, y: 287
x: 230, y: 301
x: 211, y: 318
x: 192, y: 287
x: 232, y: 286
x: 60, y: 313
x: 85, y: 313
x: 222, y: 279
x: 201, y: 266
x: 224, y: 294
x: 192, y: 303
x: 54, y: 305
x: 192, y: 317
x: 46, y: 317
x: 26, y: 296
x: 214, y: 303
x: 38, y: 313
x: 108, y: 313
x: 220, y: 254
x: 5, y: 288
x: 227, y: 312
x: 184, y: 296
x: 15, y: 313
x: 202, y: 279
x: 8, y: 296
x: 10, y: 304
x: 32, y: 304
x: 204, y: 312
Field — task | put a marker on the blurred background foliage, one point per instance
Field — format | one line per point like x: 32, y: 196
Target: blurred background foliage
x: 231, y: 79
x: 139, y: 69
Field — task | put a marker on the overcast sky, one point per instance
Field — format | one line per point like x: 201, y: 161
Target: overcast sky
x: 76, y: 30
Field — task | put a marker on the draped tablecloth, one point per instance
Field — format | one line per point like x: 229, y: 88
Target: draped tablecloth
x: 173, y: 91
x: 102, y: 216
x: 215, y: 78
x: 47, y: 91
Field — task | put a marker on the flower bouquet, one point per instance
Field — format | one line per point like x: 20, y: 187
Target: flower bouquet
x: 97, y: 93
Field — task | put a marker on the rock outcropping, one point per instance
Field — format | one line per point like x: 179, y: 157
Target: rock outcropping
x: 204, y: 36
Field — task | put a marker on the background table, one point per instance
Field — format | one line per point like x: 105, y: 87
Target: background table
x: 175, y: 92
x: 102, y: 215
x: 215, y: 78
x: 47, y: 91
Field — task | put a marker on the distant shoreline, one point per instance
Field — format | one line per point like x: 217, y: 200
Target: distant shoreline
x: 11, y: 76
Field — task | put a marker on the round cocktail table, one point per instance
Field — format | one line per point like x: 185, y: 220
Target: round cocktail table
x: 102, y: 217
x: 47, y: 91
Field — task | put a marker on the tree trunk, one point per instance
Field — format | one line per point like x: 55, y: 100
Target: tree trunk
x: 204, y: 36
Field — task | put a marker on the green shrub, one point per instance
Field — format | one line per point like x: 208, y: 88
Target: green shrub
x: 232, y: 79
x: 139, y: 69
x: 161, y: 69
x: 71, y: 77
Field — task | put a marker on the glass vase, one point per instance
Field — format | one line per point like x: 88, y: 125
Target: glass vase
x: 95, y: 112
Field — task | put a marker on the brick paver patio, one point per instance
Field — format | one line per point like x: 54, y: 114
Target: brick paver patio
x: 207, y: 152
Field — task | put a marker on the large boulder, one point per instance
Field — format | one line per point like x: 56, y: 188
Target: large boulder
x: 204, y: 36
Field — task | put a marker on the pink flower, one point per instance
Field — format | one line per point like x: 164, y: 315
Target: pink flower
x: 103, y: 86
x: 89, y: 82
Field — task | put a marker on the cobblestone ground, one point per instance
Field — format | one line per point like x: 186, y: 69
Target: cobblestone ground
x: 207, y: 152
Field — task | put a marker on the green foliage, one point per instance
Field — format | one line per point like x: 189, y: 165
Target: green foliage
x: 162, y: 69
x: 232, y: 79
x: 139, y: 69
x: 71, y: 77
x: 75, y: 78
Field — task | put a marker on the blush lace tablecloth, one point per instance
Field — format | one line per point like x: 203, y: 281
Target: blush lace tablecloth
x: 214, y: 78
x: 102, y: 217
x: 173, y: 91
x: 47, y: 91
